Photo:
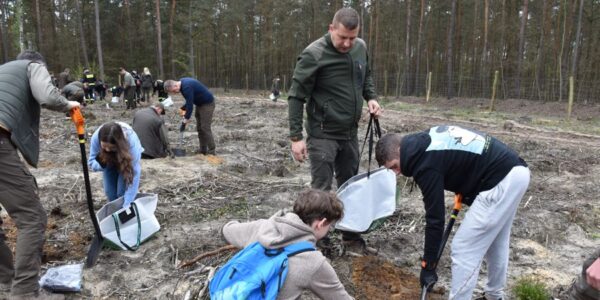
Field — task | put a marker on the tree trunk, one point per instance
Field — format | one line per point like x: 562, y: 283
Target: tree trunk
x: 484, y: 47
x: 4, y: 32
x: 418, y: 52
x: 407, y: 57
x: 159, y: 40
x: 540, y: 59
x: 99, y: 40
x: 191, y: 40
x: 524, y: 15
x: 38, y: 17
x: 81, y: 33
x: 577, y: 41
x: 129, y: 34
x: 171, y: 39
x: 449, y: 73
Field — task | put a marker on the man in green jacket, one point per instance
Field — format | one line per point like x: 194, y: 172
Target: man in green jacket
x: 25, y: 86
x: 332, y: 76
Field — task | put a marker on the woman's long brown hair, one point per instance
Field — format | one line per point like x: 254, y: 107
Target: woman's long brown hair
x: 112, y: 133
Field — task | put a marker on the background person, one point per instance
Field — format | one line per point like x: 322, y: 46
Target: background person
x: 333, y: 75
x: 314, y: 212
x: 147, y: 83
x: 152, y: 132
x: 129, y: 88
x: 492, y: 179
x: 89, y: 84
x: 196, y: 94
x: 115, y: 149
x: 25, y: 86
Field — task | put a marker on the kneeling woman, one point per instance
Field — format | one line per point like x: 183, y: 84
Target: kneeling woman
x: 116, y: 150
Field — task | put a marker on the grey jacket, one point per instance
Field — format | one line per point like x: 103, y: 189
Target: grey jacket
x: 24, y: 87
x: 151, y: 130
x: 308, y: 270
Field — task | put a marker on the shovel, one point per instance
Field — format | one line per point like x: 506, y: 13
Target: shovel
x: 180, y: 151
x: 455, y: 211
x: 96, y: 245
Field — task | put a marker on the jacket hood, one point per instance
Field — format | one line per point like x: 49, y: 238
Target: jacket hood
x: 412, y: 148
x: 283, y: 229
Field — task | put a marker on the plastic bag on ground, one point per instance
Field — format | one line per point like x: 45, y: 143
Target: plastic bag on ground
x: 65, y: 278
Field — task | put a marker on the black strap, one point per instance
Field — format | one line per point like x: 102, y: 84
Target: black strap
x: 139, y: 231
x: 373, y: 129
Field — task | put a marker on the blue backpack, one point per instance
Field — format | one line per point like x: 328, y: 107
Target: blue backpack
x: 255, y: 272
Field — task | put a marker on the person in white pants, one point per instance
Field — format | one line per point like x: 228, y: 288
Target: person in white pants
x: 492, y: 179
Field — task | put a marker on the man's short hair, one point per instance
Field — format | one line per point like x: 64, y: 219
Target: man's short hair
x: 388, y: 148
x: 348, y: 17
x: 315, y: 204
x: 169, y: 84
x: 31, y: 55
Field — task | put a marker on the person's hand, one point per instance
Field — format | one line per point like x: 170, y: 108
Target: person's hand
x: 374, y: 108
x: 428, y: 278
x: 72, y: 104
x: 593, y: 274
x: 99, y: 161
x: 299, y: 150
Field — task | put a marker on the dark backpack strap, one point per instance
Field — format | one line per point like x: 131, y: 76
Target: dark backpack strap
x: 299, y: 247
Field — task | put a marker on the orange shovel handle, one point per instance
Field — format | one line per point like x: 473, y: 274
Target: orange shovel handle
x: 77, y: 118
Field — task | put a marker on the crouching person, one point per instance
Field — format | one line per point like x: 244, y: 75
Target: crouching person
x: 116, y: 150
x: 313, y: 214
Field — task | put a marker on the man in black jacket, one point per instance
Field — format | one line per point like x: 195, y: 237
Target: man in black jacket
x: 492, y: 179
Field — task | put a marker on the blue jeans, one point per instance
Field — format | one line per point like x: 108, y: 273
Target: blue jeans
x: 114, y: 183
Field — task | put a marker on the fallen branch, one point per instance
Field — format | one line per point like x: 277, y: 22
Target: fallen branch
x: 207, y: 254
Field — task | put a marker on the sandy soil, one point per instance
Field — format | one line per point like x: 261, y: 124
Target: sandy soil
x: 557, y: 225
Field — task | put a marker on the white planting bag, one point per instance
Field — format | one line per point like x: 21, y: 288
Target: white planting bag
x: 367, y: 199
x: 114, y: 100
x: 167, y: 102
x: 126, y: 229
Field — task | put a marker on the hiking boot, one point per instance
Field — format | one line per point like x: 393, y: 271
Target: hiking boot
x: 357, y: 247
x: 483, y: 297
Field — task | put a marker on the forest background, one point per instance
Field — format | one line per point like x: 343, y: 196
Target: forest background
x: 534, y: 45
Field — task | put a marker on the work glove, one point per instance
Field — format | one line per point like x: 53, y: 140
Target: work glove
x: 428, y: 275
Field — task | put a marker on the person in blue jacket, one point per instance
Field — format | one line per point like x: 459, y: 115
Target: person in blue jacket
x: 116, y: 150
x: 195, y: 93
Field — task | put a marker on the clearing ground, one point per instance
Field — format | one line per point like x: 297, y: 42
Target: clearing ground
x: 557, y: 224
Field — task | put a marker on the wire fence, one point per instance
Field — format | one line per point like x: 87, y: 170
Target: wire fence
x: 395, y: 85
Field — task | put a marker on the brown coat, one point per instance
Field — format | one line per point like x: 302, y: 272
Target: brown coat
x: 307, y: 271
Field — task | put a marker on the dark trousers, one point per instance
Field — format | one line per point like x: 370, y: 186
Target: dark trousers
x: 204, y: 116
x: 129, y: 97
x: 333, y: 157
x: 18, y: 195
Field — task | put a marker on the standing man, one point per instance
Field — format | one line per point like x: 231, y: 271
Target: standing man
x: 129, y: 87
x: 89, y: 84
x: 333, y: 77
x: 64, y: 78
x: 492, y: 179
x: 195, y: 93
x: 24, y: 87
x: 275, y: 88
x: 150, y: 128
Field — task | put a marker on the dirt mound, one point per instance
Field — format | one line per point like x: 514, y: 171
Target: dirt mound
x: 375, y: 278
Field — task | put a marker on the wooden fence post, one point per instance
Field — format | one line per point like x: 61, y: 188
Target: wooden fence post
x: 494, y: 85
x: 385, y: 82
x: 571, y: 96
x: 428, y: 87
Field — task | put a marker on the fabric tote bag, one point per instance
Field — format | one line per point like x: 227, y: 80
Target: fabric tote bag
x: 127, y: 228
x: 367, y: 199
